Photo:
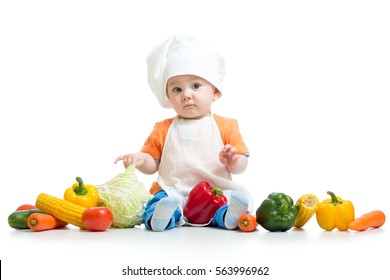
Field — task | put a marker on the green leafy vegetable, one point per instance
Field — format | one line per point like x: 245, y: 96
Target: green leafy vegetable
x: 125, y: 196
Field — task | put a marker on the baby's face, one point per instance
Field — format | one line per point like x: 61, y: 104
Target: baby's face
x: 191, y: 96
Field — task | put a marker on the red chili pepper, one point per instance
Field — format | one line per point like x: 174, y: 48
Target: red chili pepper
x: 203, y: 202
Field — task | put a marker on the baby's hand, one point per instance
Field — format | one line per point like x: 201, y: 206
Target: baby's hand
x: 136, y: 158
x: 228, y: 156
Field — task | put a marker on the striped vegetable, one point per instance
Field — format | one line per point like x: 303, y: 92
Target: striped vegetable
x: 307, y: 206
x: 63, y: 210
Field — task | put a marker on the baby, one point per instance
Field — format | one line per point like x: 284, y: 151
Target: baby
x: 195, y: 145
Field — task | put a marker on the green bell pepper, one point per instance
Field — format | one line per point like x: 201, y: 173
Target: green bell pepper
x: 277, y: 212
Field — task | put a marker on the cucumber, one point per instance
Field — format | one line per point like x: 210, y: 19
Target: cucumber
x: 18, y: 219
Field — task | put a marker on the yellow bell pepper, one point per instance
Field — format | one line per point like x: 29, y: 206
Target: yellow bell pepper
x: 335, y: 212
x: 83, y: 195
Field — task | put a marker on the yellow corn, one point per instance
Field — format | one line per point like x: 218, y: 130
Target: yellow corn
x: 307, y: 205
x: 61, y: 209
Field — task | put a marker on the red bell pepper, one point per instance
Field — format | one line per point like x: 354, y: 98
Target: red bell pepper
x: 203, y: 201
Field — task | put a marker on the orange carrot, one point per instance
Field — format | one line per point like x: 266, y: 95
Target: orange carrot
x: 373, y: 219
x: 247, y: 222
x: 42, y: 221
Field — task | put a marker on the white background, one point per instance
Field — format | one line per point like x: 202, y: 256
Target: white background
x: 308, y: 82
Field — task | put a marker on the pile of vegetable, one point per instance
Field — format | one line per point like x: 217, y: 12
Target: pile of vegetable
x: 120, y: 203
x: 279, y: 213
x: 117, y: 203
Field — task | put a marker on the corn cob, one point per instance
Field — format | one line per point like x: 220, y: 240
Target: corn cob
x: 307, y: 205
x: 61, y: 209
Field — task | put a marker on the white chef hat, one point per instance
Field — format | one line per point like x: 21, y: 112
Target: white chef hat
x: 182, y: 55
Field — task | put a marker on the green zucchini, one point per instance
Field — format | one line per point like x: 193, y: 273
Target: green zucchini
x: 18, y: 219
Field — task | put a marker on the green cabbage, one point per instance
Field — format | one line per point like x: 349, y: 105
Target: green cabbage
x: 126, y: 197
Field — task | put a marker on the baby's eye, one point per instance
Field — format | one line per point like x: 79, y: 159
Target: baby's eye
x: 176, y: 89
x: 196, y: 86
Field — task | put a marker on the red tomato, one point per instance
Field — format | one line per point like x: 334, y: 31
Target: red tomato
x: 26, y: 207
x: 97, y: 218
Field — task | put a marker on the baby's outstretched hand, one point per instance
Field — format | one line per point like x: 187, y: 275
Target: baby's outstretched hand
x: 136, y: 158
x: 228, y: 156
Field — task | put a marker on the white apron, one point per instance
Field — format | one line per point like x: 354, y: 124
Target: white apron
x: 191, y: 155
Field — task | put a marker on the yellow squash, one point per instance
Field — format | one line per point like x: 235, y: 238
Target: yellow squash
x: 307, y: 206
x: 61, y: 209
